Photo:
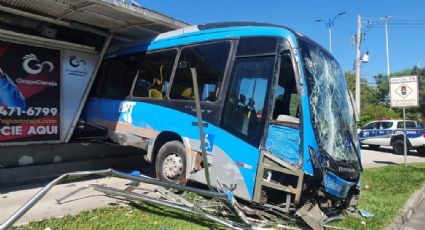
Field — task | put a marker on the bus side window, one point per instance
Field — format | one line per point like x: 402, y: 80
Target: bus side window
x: 210, y: 61
x: 286, y: 98
x: 154, y: 75
x: 117, y: 76
x: 244, y: 109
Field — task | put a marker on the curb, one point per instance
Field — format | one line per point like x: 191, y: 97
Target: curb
x: 409, y: 208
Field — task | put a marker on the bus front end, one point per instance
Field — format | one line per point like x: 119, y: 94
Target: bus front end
x: 332, y: 141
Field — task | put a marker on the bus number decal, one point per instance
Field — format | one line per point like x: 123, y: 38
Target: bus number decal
x: 126, y: 109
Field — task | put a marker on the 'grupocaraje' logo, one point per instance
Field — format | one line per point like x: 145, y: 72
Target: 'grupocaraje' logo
x: 75, y: 62
x: 32, y: 65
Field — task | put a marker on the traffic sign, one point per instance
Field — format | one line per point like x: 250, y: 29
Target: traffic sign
x: 404, y: 91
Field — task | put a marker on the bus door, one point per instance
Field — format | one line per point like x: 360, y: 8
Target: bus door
x: 280, y: 167
x: 283, y: 130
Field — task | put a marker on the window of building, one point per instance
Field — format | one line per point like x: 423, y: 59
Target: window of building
x: 209, y: 62
x: 245, y: 106
x: 154, y: 75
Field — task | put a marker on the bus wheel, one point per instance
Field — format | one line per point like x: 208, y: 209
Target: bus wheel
x: 170, y: 163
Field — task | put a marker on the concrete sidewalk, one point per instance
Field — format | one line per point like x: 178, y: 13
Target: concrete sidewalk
x: 417, y: 221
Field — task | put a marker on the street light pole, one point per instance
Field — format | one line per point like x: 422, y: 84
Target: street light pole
x: 329, y: 24
x: 330, y: 37
x: 385, y: 19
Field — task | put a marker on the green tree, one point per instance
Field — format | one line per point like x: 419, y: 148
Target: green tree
x: 372, y: 100
x: 383, y: 89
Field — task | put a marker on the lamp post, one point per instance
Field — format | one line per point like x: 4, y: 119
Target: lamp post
x: 386, y: 19
x: 329, y: 24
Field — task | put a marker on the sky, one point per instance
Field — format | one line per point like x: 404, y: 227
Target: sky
x: 406, y: 29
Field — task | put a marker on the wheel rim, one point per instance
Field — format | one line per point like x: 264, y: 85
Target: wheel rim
x: 399, y: 148
x: 173, y: 166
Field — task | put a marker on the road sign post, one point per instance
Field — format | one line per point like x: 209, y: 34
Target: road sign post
x: 404, y: 93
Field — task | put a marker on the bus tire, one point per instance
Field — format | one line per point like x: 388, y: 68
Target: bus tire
x: 398, y: 147
x: 170, y: 164
x: 421, y: 150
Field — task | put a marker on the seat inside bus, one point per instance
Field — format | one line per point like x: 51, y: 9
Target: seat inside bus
x: 208, y: 82
x: 156, y: 88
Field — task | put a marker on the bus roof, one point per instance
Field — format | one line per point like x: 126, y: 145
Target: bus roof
x: 212, y: 31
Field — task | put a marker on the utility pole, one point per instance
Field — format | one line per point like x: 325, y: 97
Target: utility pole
x: 358, y: 61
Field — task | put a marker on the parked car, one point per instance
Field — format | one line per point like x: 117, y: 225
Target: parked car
x: 390, y: 133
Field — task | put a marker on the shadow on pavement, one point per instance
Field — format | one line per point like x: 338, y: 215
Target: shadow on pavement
x: 385, y: 162
x: 146, y: 169
x: 390, y: 150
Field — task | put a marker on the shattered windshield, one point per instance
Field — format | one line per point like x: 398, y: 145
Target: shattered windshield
x: 332, y: 111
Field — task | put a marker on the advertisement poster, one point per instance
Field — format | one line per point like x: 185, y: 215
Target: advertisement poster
x: 77, y: 70
x: 29, y: 93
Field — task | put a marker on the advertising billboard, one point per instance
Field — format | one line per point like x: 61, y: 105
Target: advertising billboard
x: 77, y: 71
x: 30, y: 94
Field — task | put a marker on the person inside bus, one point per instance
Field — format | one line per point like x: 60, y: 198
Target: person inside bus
x: 241, y: 115
x: 10, y: 96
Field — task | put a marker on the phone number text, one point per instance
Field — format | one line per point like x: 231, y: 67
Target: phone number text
x: 30, y: 111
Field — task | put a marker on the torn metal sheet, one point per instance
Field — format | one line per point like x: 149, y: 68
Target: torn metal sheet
x: 312, y: 215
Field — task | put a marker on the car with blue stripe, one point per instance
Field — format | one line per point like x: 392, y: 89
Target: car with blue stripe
x: 390, y: 133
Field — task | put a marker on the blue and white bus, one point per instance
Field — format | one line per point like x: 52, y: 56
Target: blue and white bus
x: 278, y: 117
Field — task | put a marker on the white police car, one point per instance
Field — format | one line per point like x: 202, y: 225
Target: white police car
x: 390, y: 133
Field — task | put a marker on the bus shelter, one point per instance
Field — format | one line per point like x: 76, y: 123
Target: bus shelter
x: 50, y: 52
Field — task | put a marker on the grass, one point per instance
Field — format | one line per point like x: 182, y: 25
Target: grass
x: 135, y: 216
x: 389, y: 188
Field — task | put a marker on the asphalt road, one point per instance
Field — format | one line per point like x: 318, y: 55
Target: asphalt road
x: 385, y: 156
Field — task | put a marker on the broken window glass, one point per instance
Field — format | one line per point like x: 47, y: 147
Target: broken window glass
x: 331, y: 108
